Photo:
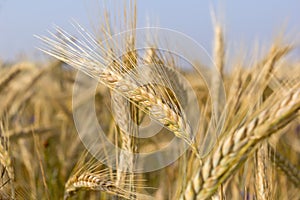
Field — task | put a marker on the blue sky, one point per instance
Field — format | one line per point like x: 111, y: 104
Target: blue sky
x: 245, y: 21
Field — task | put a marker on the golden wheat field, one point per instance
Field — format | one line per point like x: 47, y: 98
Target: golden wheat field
x: 227, y: 131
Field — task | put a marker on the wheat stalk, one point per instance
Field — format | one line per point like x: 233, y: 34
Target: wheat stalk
x: 262, y: 178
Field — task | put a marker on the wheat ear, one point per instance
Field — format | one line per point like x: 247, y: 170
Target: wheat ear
x: 281, y: 163
x: 219, y: 59
x: 9, y: 77
x: 97, y: 182
x: 91, y: 175
x: 234, y: 148
x: 5, y: 159
x: 126, y: 115
x: 85, y: 56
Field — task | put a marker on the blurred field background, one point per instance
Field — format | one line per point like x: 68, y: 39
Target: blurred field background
x: 41, y: 153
